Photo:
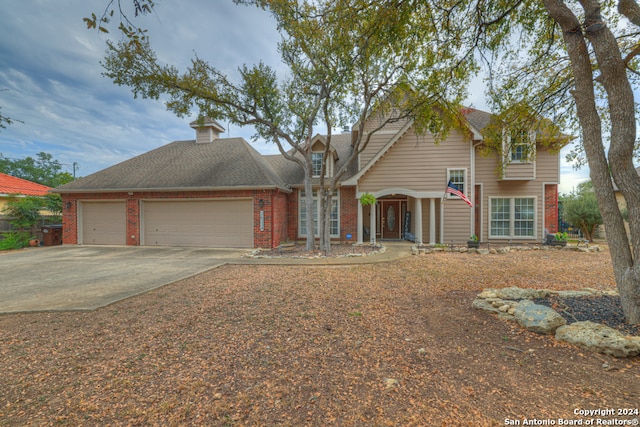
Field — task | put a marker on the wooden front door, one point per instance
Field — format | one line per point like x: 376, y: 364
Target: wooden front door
x: 391, y: 220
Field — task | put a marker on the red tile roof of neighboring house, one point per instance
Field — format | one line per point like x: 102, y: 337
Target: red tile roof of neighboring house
x: 12, y: 185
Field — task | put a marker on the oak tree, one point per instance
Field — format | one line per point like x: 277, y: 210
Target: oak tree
x: 575, y: 62
x: 345, y: 61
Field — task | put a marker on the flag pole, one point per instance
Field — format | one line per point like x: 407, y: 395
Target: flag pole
x: 444, y: 195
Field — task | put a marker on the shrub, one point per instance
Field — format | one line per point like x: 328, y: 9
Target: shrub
x: 15, y: 240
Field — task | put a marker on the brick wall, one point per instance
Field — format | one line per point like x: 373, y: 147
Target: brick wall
x: 348, y: 213
x: 551, y: 207
x: 292, y: 213
x: 280, y: 218
x: 69, y: 220
x: 133, y: 222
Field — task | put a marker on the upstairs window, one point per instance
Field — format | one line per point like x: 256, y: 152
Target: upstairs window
x: 316, y: 164
x: 521, y: 146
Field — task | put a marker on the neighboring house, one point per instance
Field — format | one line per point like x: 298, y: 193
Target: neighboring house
x: 10, y: 186
x: 221, y: 192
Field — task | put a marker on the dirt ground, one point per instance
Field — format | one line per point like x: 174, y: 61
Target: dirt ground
x: 394, y: 344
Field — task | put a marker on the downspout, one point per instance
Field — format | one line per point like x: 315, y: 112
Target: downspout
x: 273, y: 222
x: 473, y: 179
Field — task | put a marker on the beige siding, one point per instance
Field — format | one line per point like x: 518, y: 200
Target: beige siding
x: 457, y: 221
x: 381, y: 136
x: 376, y: 120
x: 520, y: 171
x: 547, y: 171
x: 547, y: 167
x: 376, y: 143
x: 417, y: 163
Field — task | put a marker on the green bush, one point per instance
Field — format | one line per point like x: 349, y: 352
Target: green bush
x: 15, y: 240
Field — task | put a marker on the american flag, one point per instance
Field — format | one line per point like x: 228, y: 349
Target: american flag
x: 452, y: 189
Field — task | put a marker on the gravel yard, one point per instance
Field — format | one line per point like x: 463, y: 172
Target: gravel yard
x: 391, y: 344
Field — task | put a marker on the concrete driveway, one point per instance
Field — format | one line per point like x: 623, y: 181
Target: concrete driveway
x: 88, y: 277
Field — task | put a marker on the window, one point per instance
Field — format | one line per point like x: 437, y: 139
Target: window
x: 512, y: 217
x: 457, y: 178
x: 521, y: 147
x: 523, y: 217
x: 316, y: 164
x: 334, y: 224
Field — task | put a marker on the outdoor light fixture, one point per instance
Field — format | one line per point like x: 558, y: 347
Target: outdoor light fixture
x: 68, y: 205
x: 261, y: 203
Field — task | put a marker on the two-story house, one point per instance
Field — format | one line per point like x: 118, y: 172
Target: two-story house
x: 220, y: 192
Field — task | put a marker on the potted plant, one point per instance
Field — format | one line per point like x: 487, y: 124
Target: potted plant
x: 473, y: 242
x: 560, y: 239
x: 367, y: 199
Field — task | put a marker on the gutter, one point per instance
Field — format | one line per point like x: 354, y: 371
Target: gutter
x: 161, y: 190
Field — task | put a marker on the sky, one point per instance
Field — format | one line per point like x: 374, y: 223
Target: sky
x: 51, y: 81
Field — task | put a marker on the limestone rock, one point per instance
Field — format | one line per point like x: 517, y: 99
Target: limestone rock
x: 599, y: 338
x: 488, y: 293
x: 483, y: 304
x: 538, y: 318
x: 515, y: 293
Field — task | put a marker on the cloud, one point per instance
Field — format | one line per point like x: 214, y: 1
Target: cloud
x: 50, y: 64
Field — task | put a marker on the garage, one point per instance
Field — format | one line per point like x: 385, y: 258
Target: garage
x: 205, y: 223
x: 103, y: 223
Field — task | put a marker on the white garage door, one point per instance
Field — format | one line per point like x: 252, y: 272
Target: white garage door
x: 206, y: 223
x: 104, y: 223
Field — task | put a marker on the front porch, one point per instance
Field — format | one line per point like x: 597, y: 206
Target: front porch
x: 400, y: 214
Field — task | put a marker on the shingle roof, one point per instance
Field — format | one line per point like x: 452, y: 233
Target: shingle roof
x: 223, y: 163
x: 12, y: 185
x: 476, y: 118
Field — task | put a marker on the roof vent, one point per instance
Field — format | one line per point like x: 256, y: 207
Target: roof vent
x: 207, y: 130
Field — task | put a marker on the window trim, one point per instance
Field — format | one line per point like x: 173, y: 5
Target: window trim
x: 301, y: 205
x: 465, y: 189
x: 313, y: 163
x: 512, y: 217
x: 530, y: 147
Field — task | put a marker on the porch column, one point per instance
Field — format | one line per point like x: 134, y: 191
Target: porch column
x: 372, y: 224
x: 432, y: 221
x: 359, y: 232
x: 418, y: 221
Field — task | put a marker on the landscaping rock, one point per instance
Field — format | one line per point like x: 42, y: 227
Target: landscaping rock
x: 538, y: 318
x: 514, y: 293
x: 599, y: 338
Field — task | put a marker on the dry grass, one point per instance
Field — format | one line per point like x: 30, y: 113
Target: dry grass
x: 313, y: 346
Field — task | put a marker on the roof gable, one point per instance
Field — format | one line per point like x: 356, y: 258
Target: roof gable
x: 354, y: 179
x: 12, y: 185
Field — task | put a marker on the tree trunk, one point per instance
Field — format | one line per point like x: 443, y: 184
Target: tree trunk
x: 309, y: 204
x: 326, y: 229
x: 626, y: 274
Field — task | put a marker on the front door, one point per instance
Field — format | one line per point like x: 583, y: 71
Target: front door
x: 391, y: 220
